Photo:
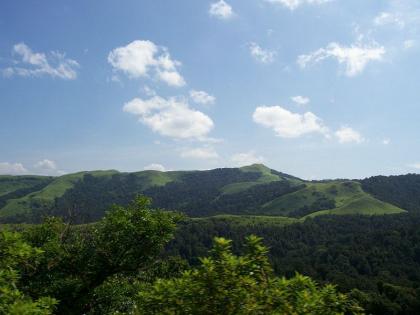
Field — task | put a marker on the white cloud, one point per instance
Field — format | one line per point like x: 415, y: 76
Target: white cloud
x: 389, y: 18
x: 202, y: 97
x: 300, y: 100
x: 142, y: 58
x: 171, y: 117
x: 32, y: 64
x: 409, y: 43
x: 200, y: 153
x: 46, y: 165
x: 155, y: 167
x: 172, y: 78
x: 246, y: 158
x: 386, y: 141
x: 402, y: 16
x: 287, y: 124
x: 348, y: 135
x: 354, y: 57
x: 7, y: 168
x: 149, y: 91
x: 294, y: 4
x: 221, y: 10
x: 260, y: 54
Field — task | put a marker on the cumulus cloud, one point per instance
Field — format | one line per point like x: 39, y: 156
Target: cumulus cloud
x: 300, y: 100
x: 389, y: 18
x: 142, y: 58
x: 202, y: 97
x: 287, y: 124
x: 355, y: 57
x: 7, y: 168
x: 246, y: 158
x: 32, y: 64
x: 348, y: 135
x: 200, y: 153
x: 170, y: 117
x: 221, y: 10
x: 46, y: 165
x: 155, y: 167
x: 294, y: 4
x: 260, y: 54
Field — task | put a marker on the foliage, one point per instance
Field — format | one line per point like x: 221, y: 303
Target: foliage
x: 84, y: 197
x: 235, y: 285
x: 363, y: 252
x: 332, y: 197
x: 252, y: 190
x: 78, y: 260
x: 402, y: 191
x: 14, y: 252
x: 116, y: 294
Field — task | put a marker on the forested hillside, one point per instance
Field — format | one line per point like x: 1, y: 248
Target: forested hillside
x: 402, y: 191
x: 117, y: 266
x: 334, y: 231
x: 124, y: 262
x: 378, y: 255
x: 252, y: 190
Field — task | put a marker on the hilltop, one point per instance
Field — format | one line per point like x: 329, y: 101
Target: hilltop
x: 254, y: 190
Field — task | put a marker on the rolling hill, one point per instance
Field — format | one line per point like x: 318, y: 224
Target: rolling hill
x: 254, y: 190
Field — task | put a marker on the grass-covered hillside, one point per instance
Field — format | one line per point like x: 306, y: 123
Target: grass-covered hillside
x: 253, y: 190
x: 335, y: 197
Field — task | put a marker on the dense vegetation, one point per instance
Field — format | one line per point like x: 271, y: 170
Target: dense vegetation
x: 135, y: 259
x: 116, y: 266
x: 402, y: 191
x: 251, y: 190
x: 14, y: 187
x: 236, y: 285
x: 377, y: 255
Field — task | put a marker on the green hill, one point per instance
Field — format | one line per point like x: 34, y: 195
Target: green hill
x: 252, y: 191
x: 45, y: 197
x: 334, y: 197
x: 10, y: 184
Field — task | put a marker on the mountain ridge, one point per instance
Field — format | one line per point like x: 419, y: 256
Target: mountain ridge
x: 250, y: 190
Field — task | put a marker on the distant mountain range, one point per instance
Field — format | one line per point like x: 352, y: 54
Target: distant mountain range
x: 254, y: 190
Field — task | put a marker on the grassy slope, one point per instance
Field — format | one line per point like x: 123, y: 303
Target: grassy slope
x: 348, y: 196
x: 60, y: 185
x: 157, y: 178
x: 47, y: 195
x: 10, y: 184
x: 366, y: 205
x: 267, y: 177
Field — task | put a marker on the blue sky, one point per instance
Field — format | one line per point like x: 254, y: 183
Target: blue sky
x: 314, y: 88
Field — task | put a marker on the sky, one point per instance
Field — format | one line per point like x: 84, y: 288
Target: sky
x: 314, y: 88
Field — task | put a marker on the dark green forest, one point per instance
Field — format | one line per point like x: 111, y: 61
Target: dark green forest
x: 252, y: 190
x: 227, y: 241
x: 119, y: 266
x: 378, y: 255
x: 402, y: 191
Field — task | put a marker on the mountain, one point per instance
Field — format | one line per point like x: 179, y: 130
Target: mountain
x: 254, y: 190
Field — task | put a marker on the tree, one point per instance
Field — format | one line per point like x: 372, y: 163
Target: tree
x: 14, y: 252
x: 241, y: 285
x: 79, y: 259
